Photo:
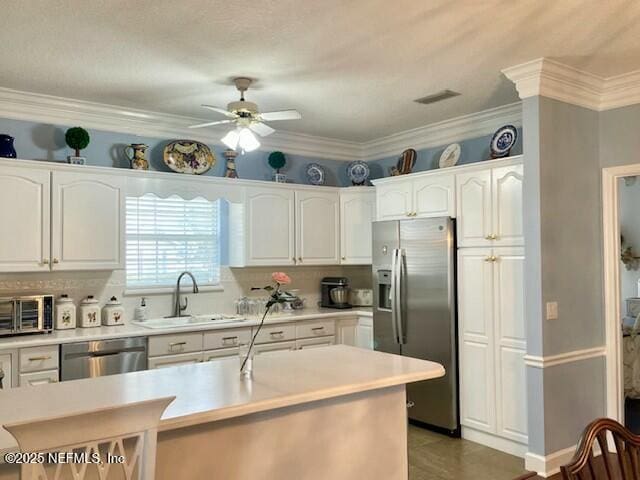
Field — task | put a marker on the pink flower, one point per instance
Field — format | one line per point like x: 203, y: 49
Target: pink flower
x: 281, y: 278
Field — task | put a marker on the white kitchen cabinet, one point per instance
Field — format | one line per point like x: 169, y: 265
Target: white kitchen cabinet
x: 492, y: 341
x: 167, y: 361
x: 88, y: 221
x: 434, y: 196
x: 6, y: 371
x: 270, y: 226
x: 25, y: 219
x: 315, y: 342
x: 490, y: 207
x: 38, y: 378
x: 357, y: 211
x: 394, y: 199
x: 317, y: 227
x: 274, y: 347
x: 221, y: 353
x: 507, y: 205
x: 355, y: 331
x: 35, y: 359
x: 364, y: 333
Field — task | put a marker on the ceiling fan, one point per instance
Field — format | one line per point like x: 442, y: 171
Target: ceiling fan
x: 247, y: 118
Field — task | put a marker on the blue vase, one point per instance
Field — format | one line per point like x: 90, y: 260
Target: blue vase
x: 6, y: 146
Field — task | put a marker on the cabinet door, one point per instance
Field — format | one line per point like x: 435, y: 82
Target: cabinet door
x: 347, y: 331
x: 24, y: 216
x: 433, y: 196
x: 270, y: 226
x: 5, y: 371
x: 475, y: 317
x: 474, y: 208
x: 507, y: 205
x: 274, y: 347
x: 38, y: 378
x: 174, y: 360
x: 511, y: 402
x: 393, y: 200
x: 317, y: 227
x: 315, y: 342
x: 221, y: 353
x: 364, y: 334
x: 88, y: 216
x: 357, y: 211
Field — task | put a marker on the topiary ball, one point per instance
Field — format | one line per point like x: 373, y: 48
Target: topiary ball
x: 77, y: 138
x: 277, y: 160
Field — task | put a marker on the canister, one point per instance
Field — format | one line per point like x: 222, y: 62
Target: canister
x: 65, y: 313
x: 89, y: 312
x: 113, y: 313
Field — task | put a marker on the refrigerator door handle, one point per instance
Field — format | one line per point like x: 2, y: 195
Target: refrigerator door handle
x: 398, y: 307
x: 394, y: 294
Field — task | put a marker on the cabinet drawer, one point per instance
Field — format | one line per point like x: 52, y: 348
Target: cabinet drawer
x: 315, y: 329
x: 36, y: 359
x: 274, y: 347
x: 221, y: 353
x: 170, y: 344
x: 174, y: 360
x: 276, y: 333
x: 226, y: 338
x: 315, y: 342
x: 38, y: 378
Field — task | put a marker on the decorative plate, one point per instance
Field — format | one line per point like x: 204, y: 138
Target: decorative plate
x: 188, y: 156
x: 406, y: 161
x: 450, y: 156
x: 358, y: 172
x: 503, y: 140
x: 315, y: 174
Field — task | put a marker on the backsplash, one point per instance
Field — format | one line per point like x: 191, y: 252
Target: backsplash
x: 235, y: 282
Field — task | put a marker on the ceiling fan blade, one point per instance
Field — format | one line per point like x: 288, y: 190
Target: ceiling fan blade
x: 261, y: 129
x: 281, y: 115
x: 223, y: 111
x: 208, y: 124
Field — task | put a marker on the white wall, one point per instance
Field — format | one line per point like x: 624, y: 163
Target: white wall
x: 236, y: 283
x: 629, y: 219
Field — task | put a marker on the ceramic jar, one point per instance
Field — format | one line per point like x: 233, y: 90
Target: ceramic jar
x: 113, y: 313
x: 7, y: 149
x: 65, y: 313
x: 135, y: 153
x: 89, y: 312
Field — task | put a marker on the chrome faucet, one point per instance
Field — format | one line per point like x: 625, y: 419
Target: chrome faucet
x: 179, y: 308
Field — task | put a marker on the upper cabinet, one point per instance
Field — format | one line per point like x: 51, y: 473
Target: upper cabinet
x: 357, y: 211
x: 317, y: 227
x: 25, y: 219
x: 489, y: 207
x: 60, y: 220
x: 88, y: 216
x: 422, y: 195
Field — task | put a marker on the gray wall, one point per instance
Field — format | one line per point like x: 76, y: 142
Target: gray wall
x: 619, y: 136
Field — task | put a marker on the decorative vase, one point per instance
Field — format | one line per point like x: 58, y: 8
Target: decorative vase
x: 7, y: 149
x: 230, y: 156
x: 137, y: 158
x: 280, y: 178
x: 246, y: 361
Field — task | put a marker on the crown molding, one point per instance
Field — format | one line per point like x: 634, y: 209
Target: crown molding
x: 36, y: 107
x: 549, y: 78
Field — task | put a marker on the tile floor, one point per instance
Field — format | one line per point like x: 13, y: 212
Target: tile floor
x: 437, y: 457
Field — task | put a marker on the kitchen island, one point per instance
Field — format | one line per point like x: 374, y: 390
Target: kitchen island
x: 335, y: 412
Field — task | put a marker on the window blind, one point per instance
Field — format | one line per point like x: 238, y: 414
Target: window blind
x: 166, y: 236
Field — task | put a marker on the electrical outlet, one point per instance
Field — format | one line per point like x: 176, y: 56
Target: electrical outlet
x: 552, y: 310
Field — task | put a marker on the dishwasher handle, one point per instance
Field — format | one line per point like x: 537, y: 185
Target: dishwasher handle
x: 104, y: 353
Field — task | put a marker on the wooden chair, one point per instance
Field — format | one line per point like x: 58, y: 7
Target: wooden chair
x: 623, y: 463
x: 128, y: 432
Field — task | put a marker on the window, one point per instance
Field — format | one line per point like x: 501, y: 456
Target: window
x: 166, y: 236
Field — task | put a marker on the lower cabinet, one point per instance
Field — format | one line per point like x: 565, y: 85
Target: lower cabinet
x: 357, y: 332
x: 364, y: 333
x: 166, y: 361
x: 38, y: 378
x: 6, y: 373
x: 273, y: 347
x: 38, y: 365
x: 315, y: 342
x: 221, y: 353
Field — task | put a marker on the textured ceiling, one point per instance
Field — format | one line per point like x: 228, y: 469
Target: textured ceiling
x: 351, y: 67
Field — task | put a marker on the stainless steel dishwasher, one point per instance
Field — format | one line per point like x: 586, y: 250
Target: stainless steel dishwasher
x: 106, y: 357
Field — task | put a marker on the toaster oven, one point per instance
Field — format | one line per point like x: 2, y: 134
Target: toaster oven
x: 26, y: 314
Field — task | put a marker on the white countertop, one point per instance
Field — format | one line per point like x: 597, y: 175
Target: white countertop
x: 132, y: 330
x: 213, y: 391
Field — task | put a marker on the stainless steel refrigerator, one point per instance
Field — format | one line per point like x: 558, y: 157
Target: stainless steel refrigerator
x: 414, y: 309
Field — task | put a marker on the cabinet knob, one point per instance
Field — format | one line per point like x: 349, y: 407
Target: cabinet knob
x: 487, y: 259
x: 45, y: 261
x: 491, y: 236
x: 300, y: 259
x: 294, y: 259
x: 55, y: 260
x: 344, y: 258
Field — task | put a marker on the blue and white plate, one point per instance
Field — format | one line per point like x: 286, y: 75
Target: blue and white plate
x: 358, y: 172
x: 503, y: 140
x: 315, y: 174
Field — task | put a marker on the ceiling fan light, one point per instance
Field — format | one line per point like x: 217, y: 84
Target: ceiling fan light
x: 231, y: 139
x: 247, y: 140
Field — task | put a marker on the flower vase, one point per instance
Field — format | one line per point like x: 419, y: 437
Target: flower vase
x: 246, y: 361
x: 7, y: 149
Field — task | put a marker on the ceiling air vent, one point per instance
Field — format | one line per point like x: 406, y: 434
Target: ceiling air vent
x: 437, y: 97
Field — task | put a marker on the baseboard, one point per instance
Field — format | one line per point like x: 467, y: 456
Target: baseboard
x: 504, y: 445
x: 548, y: 465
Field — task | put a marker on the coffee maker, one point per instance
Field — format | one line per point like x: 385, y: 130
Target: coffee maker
x: 335, y: 292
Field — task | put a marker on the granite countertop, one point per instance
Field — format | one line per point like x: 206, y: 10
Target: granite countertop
x: 212, y: 391
x: 134, y: 330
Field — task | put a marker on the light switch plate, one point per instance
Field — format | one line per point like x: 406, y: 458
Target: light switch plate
x: 552, y: 310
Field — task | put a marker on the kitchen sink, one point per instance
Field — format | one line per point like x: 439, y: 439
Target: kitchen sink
x: 193, y: 320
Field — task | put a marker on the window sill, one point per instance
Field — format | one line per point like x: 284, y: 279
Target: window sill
x: 138, y: 292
